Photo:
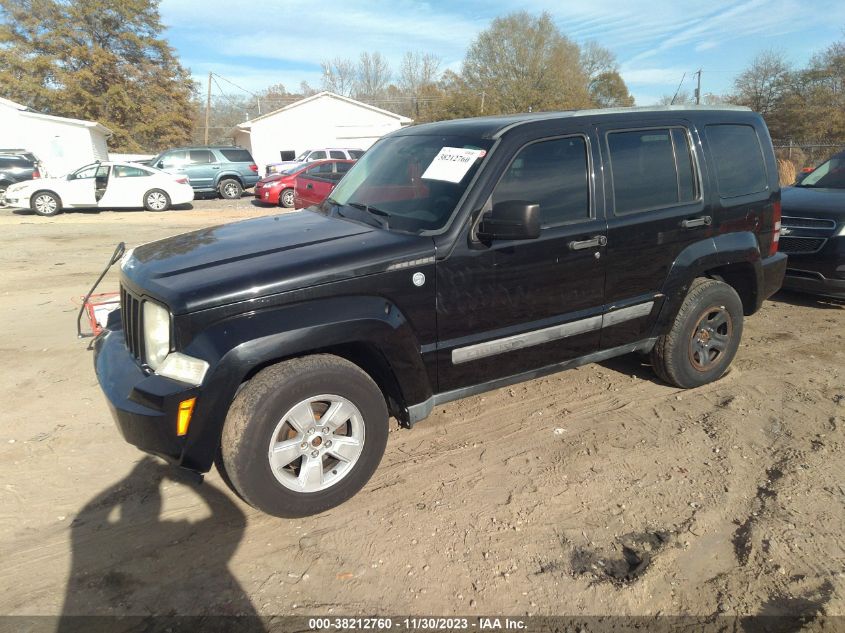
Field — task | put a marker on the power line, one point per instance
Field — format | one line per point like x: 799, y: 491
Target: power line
x: 675, y: 96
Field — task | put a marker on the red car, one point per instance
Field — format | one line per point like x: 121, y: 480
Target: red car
x: 312, y: 189
x: 279, y: 188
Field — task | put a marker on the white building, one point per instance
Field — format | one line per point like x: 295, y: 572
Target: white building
x: 60, y: 144
x: 322, y: 120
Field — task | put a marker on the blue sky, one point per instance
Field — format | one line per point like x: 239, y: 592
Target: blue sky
x: 655, y: 42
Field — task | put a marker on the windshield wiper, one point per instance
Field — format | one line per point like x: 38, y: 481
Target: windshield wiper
x: 372, y: 211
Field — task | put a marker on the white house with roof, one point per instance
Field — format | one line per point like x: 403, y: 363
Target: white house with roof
x: 322, y: 120
x: 61, y: 144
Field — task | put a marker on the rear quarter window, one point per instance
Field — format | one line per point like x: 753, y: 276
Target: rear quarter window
x: 738, y: 157
x: 237, y: 155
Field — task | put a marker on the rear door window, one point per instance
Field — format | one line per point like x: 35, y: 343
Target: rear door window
x: 651, y: 169
x: 336, y: 154
x: 200, y: 157
x: 356, y: 153
x: 740, y: 167
x: 237, y: 155
x: 552, y: 173
x: 342, y: 168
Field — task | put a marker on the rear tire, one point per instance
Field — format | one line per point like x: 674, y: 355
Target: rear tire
x: 286, y: 198
x: 704, y: 336
x: 156, y: 200
x: 45, y: 203
x: 230, y: 189
x: 304, y: 435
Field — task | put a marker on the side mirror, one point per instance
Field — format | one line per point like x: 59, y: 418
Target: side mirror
x: 511, y: 220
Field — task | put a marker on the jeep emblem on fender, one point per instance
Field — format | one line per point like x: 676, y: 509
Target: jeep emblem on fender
x: 418, y: 279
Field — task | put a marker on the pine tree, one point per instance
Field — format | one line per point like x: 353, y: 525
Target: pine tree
x: 100, y: 60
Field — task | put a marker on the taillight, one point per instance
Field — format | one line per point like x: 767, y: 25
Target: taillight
x: 776, y: 235
x: 36, y: 173
x: 182, y: 180
x: 254, y: 167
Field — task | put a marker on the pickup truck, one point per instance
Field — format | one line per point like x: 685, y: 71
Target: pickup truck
x: 453, y: 258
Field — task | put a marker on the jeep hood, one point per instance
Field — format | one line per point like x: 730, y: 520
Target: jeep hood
x: 260, y: 257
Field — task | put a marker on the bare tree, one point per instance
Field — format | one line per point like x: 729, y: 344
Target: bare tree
x: 606, y: 87
x: 339, y: 76
x: 373, y: 76
x: 762, y: 85
x: 418, y: 70
x: 523, y: 62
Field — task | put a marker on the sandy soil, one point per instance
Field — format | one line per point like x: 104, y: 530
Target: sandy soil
x: 595, y: 491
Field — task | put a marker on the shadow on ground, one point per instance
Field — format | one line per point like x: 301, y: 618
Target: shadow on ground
x: 129, y: 559
x: 807, y: 300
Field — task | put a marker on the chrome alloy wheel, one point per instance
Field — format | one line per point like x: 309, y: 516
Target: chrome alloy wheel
x: 710, y: 337
x: 230, y: 190
x: 157, y: 200
x: 316, y: 443
x: 45, y: 203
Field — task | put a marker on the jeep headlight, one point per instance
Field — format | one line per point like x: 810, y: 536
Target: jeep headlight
x: 183, y: 368
x: 156, y: 333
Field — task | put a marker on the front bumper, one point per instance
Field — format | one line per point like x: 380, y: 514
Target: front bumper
x: 143, y: 405
x: 821, y: 273
x: 813, y: 282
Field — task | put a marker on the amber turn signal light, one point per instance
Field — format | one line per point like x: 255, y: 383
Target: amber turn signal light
x: 183, y: 420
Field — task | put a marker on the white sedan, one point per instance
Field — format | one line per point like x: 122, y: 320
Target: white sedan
x: 105, y: 185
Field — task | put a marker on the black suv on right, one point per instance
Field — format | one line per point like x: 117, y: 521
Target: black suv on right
x: 453, y: 258
x: 16, y: 166
x: 813, y: 230
x: 221, y: 169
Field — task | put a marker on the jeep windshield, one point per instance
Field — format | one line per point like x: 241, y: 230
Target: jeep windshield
x: 409, y: 183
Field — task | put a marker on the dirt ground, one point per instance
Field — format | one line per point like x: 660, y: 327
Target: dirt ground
x: 595, y: 491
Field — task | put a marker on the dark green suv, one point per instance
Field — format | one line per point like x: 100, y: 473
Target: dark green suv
x: 224, y: 170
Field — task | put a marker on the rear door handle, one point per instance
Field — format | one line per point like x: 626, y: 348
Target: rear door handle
x: 691, y: 223
x: 598, y: 240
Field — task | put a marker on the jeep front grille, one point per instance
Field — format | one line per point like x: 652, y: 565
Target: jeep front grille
x: 807, y: 223
x: 131, y: 314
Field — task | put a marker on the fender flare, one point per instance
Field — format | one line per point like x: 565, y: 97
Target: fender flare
x: 237, y: 346
x: 701, y: 257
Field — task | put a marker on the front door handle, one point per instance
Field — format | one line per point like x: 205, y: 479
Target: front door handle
x: 691, y: 223
x: 309, y: 186
x: 598, y: 240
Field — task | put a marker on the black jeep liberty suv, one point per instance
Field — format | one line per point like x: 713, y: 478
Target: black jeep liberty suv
x: 453, y: 258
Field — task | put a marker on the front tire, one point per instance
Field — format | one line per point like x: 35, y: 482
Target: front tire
x: 286, y: 198
x: 45, y: 203
x: 704, y: 337
x: 303, y: 436
x: 230, y: 189
x: 156, y: 200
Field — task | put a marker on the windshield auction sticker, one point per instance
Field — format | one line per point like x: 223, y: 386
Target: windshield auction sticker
x: 452, y: 164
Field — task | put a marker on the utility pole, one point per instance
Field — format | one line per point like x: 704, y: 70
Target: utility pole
x: 698, y: 89
x: 207, y: 108
x: 482, y: 102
